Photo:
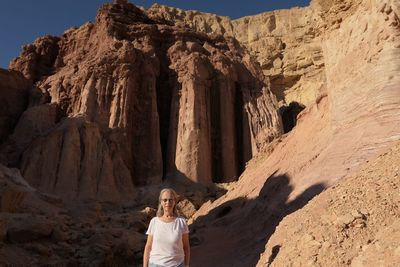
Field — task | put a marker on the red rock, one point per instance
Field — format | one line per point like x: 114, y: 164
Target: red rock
x: 14, y: 93
x: 161, y: 102
x: 27, y: 229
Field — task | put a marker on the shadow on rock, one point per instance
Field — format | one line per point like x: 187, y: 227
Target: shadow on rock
x: 235, y: 232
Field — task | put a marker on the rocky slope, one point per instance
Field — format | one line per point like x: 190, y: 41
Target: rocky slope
x: 356, y: 222
x: 38, y: 229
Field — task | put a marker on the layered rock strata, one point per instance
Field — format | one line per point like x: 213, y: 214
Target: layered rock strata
x: 352, y: 115
x: 354, y: 121
x: 285, y: 43
x: 133, y: 101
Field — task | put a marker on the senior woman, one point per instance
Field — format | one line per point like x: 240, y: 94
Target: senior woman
x: 167, y: 236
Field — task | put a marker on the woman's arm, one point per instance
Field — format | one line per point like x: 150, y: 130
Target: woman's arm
x: 186, y: 248
x: 147, y: 249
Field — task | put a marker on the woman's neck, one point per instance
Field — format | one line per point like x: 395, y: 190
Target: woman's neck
x: 168, y: 214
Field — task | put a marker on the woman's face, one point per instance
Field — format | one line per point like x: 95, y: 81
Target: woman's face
x: 167, y: 200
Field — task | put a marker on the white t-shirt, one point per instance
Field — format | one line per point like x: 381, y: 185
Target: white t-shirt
x: 167, y: 247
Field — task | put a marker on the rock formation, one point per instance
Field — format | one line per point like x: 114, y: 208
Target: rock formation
x: 14, y: 93
x: 352, y: 116
x: 354, y: 223
x: 132, y: 101
x: 112, y: 109
x: 39, y: 229
x: 285, y: 43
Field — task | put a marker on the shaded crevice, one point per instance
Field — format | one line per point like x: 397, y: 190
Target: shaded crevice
x: 274, y: 253
x: 224, y: 211
x: 266, y: 212
x: 216, y: 142
x: 59, y: 159
x: 280, y: 83
x: 82, y: 133
x: 46, y: 55
x: 241, y: 136
x: 164, y: 89
x: 289, y: 115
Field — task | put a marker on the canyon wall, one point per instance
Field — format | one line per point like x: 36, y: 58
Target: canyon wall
x: 285, y: 43
x: 14, y: 94
x: 352, y: 115
x: 114, y: 107
x: 130, y: 101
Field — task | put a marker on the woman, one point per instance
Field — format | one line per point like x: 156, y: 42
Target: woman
x: 168, y: 235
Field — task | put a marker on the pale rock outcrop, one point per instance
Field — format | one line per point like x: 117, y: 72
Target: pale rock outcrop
x: 201, y: 22
x: 284, y: 42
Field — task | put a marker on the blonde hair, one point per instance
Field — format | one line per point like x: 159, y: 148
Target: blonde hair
x: 160, y: 210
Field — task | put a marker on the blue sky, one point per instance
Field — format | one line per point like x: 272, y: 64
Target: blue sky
x: 23, y: 21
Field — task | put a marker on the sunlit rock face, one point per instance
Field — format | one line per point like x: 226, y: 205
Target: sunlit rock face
x: 339, y: 59
x: 133, y: 101
x: 138, y: 98
x: 288, y: 44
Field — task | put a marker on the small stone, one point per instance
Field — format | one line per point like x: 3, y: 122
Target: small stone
x: 308, y: 238
x: 326, y: 245
x: 381, y: 8
x: 311, y: 262
x: 388, y: 9
x: 277, y: 63
x: 356, y: 214
x: 345, y: 219
x: 315, y: 243
x: 364, y: 212
x: 360, y: 225
x: 58, y: 235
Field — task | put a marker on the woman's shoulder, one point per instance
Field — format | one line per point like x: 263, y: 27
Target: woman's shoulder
x: 154, y: 219
x: 182, y: 222
x: 181, y: 219
x: 178, y: 219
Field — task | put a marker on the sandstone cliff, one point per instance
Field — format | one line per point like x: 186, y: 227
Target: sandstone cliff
x: 130, y: 101
x: 286, y: 43
x: 136, y: 98
x: 352, y: 117
x: 14, y: 93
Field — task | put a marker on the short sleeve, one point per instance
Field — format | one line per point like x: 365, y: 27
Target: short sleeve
x: 184, y: 226
x: 150, y: 230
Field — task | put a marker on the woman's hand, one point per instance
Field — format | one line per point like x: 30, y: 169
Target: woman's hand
x: 147, y: 249
x: 186, y: 248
